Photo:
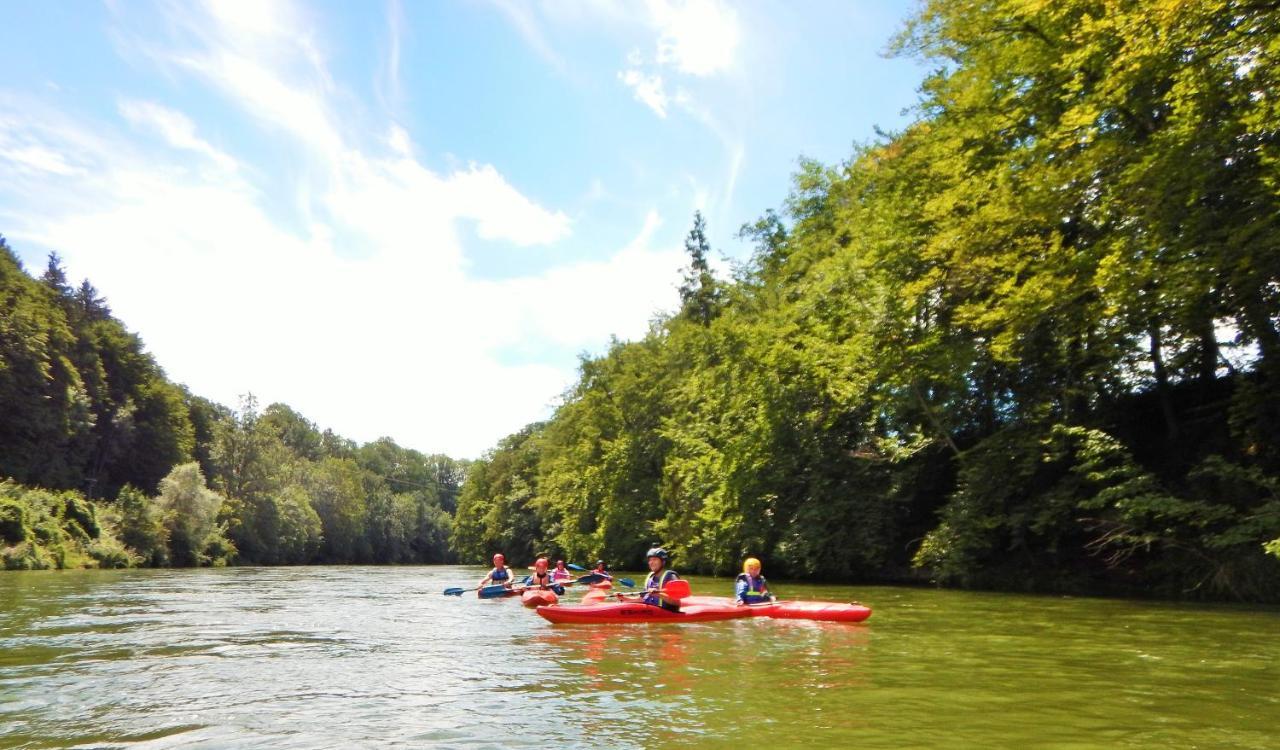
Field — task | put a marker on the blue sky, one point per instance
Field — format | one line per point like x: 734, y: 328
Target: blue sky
x: 408, y: 219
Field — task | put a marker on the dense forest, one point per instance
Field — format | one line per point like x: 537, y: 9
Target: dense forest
x: 105, y: 462
x: 1031, y: 341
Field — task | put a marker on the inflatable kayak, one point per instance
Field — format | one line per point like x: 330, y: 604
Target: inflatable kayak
x: 826, y: 611
x: 538, y: 597
x: 638, y: 612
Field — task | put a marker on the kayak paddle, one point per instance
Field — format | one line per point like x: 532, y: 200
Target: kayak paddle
x: 459, y: 591
x: 677, y: 590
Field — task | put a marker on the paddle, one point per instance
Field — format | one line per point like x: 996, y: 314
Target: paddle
x: 459, y: 591
x: 677, y: 590
x: 558, y: 586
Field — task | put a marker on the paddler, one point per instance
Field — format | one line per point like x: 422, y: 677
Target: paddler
x: 600, y: 570
x: 500, y: 574
x: 659, y: 576
x: 750, y: 587
x: 561, y: 573
x: 541, y: 578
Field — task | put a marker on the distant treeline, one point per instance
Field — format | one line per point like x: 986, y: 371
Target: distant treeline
x: 104, y: 461
x: 1031, y: 341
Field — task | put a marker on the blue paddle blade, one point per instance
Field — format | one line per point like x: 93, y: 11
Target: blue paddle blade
x: 454, y: 592
x: 590, y: 578
x: 571, y: 566
x: 627, y: 582
x: 558, y: 589
x: 526, y: 580
x: 492, y: 592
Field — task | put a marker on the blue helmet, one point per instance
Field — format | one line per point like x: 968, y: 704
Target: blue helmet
x: 659, y: 553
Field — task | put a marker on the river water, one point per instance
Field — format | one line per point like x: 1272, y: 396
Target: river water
x: 356, y: 657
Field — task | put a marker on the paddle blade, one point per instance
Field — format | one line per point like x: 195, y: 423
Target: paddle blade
x: 455, y: 591
x: 590, y: 578
x: 571, y: 566
x: 627, y: 582
x: 676, y: 590
x: 490, y: 592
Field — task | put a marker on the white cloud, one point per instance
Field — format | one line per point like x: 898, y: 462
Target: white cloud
x: 697, y: 37
x: 359, y: 311
x: 38, y: 159
x: 174, y: 127
x: 501, y: 211
x: 647, y: 89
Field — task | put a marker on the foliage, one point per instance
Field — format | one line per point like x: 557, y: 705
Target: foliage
x: 190, y: 512
x: 41, y: 529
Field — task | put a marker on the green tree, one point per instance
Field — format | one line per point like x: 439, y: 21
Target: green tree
x: 190, y: 512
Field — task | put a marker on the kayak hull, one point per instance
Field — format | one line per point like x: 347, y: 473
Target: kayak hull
x: 638, y: 612
x: 538, y: 598
x: 785, y: 610
x: 825, y: 611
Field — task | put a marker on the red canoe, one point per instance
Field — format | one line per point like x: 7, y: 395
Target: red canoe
x: 538, y: 597
x: 622, y: 612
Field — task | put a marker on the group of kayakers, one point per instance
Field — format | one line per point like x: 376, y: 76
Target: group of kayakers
x: 750, y: 587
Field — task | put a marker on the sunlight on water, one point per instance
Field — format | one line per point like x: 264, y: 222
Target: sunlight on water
x: 361, y: 657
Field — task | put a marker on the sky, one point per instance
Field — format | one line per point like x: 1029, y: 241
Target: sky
x: 410, y: 219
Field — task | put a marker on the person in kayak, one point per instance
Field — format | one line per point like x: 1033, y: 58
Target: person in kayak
x: 561, y: 573
x: 659, y: 576
x: 750, y: 587
x: 500, y: 574
x: 541, y: 578
x: 600, y: 570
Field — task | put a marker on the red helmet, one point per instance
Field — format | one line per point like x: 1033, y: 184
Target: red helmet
x: 540, y: 563
x: 498, y: 559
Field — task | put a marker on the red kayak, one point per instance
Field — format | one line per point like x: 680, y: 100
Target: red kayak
x: 826, y: 611
x: 621, y: 612
x: 538, y: 597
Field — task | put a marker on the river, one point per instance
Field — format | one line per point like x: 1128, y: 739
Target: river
x: 347, y: 657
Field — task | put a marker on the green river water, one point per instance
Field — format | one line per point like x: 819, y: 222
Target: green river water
x: 356, y: 657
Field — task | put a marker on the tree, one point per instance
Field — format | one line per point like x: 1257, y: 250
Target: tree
x: 699, y: 293
x: 191, y: 517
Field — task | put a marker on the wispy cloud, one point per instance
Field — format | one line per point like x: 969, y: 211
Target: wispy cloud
x: 523, y: 16
x: 647, y: 89
x: 174, y: 127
